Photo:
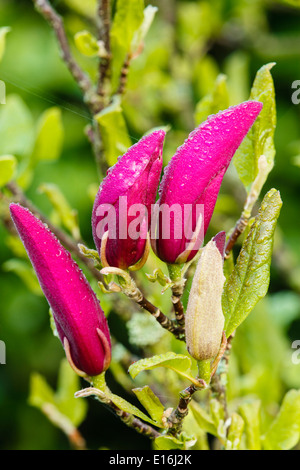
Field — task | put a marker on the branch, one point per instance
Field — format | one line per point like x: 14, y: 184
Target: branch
x: 65, y: 239
x: 104, y: 15
x: 176, y: 419
x: 237, y: 232
x: 56, y: 22
x: 127, y: 418
x: 162, y: 319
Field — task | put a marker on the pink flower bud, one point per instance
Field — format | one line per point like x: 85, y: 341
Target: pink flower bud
x: 122, y: 209
x: 79, y: 319
x: 192, y: 181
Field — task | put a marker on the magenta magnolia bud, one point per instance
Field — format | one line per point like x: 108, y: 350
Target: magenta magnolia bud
x: 192, y: 181
x: 122, y: 209
x: 79, y: 319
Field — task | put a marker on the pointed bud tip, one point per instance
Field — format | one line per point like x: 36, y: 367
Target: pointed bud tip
x: 220, y: 240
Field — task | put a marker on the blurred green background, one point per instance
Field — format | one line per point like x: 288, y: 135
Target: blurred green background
x: 190, y: 43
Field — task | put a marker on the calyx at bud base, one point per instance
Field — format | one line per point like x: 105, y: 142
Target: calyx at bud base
x: 79, y: 319
x: 204, y: 321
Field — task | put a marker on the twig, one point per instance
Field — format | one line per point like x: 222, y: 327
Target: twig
x: 238, y: 230
x: 104, y: 15
x: 127, y: 418
x: 66, y: 240
x: 164, y: 321
x: 176, y: 419
x: 83, y: 81
x: 124, y: 75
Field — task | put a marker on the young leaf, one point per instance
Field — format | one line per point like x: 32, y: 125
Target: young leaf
x: 127, y: 20
x: 260, y: 139
x: 86, y: 43
x: 217, y: 101
x: 105, y: 396
x: 284, y: 432
x: 67, y: 215
x: 3, y: 32
x: 203, y: 419
x: 25, y: 271
x: 88, y: 8
x: 16, y: 127
x: 116, y: 140
x: 141, y: 33
x: 68, y: 384
x: 250, y: 413
x: 50, y: 136
x: 168, y: 443
x: 235, y: 432
x: 40, y: 391
x: 249, y: 281
x: 150, y: 402
x: 176, y: 362
x: 8, y: 165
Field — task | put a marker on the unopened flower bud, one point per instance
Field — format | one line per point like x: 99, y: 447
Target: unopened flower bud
x: 122, y: 209
x: 204, y: 316
x: 192, y: 180
x: 79, y: 319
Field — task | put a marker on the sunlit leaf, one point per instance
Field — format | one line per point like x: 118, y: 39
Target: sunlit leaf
x: 50, y: 136
x: 284, y: 432
x: 3, y: 32
x: 177, y: 362
x: 249, y: 281
x: 116, y: 140
x: 250, y: 412
x: 16, y: 127
x: 8, y: 164
x: 260, y: 139
x: 216, y: 101
x: 150, y: 402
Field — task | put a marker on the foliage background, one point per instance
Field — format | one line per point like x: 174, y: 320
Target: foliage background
x: 189, y: 44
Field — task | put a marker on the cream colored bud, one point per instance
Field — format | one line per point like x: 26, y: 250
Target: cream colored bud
x: 204, y: 316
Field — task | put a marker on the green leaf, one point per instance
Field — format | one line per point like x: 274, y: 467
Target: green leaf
x: 176, y: 362
x: 105, y: 396
x: 50, y: 136
x: 8, y: 164
x: 86, y: 43
x: 62, y: 409
x: 25, y: 271
x: 40, y: 391
x: 68, y: 384
x: 127, y: 20
x: 260, y: 139
x: 216, y: 101
x: 87, y: 8
x: 235, y: 432
x: 16, y: 127
x: 284, y: 432
x: 168, y: 443
x: 150, y: 402
x: 3, y: 32
x: 141, y: 33
x: 249, y: 281
x: 250, y: 413
x: 67, y: 215
x: 116, y: 140
x: 203, y: 419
